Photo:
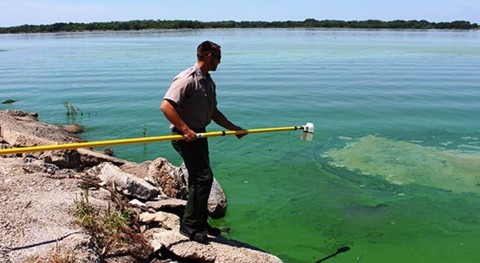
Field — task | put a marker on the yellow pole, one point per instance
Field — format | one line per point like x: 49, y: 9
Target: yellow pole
x: 66, y: 146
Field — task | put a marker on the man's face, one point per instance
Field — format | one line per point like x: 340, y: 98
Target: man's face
x: 215, y: 57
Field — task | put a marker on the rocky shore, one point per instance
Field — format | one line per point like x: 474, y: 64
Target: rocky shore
x: 39, y: 190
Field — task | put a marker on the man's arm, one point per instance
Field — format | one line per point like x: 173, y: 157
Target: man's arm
x: 171, y: 114
x: 221, y: 120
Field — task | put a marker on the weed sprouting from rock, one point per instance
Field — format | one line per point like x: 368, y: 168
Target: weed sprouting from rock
x: 72, y: 110
x: 113, y: 229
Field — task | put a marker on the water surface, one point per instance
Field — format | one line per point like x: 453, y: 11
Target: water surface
x: 393, y: 168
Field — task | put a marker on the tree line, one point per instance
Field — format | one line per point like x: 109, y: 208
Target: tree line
x: 193, y: 24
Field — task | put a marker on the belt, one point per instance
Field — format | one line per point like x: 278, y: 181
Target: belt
x: 196, y: 130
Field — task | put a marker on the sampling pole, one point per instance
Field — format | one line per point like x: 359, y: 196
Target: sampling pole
x: 307, y: 135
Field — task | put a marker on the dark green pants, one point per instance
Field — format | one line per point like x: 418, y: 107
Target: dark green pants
x: 200, y: 179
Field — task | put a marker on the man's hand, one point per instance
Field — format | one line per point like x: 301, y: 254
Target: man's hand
x: 190, y: 136
x: 170, y: 112
x: 241, y: 132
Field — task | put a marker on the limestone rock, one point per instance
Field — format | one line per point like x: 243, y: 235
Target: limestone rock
x: 165, y: 175
x: 82, y: 248
x: 23, y: 129
x: 91, y: 158
x: 166, y: 220
x: 217, y: 201
x: 170, y: 205
x: 218, y: 249
x: 173, y: 180
x: 74, y: 128
x: 130, y: 185
x: 136, y: 203
x: 18, y: 128
x: 139, y: 170
x: 35, y: 210
x: 166, y: 204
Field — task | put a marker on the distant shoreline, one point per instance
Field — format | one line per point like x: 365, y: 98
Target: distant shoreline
x: 194, y: 24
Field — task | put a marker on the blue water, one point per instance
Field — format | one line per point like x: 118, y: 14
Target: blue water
x: 406, y: 98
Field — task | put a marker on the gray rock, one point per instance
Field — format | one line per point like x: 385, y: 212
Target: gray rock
x: 23, y: 129
x: 171, y: 205
x: 218, y: 249
x: 35, y: 214
x: 217, y: 201
x: 173, y: 180
x: 167, y: 204
x: 139, y: 170
x: 165, y: 220
x: 81, y: 247
x: 165, y: 175
x: 74, y: 128
x: 19, y: 128
x: 136, y: 202
x: 130, y: 185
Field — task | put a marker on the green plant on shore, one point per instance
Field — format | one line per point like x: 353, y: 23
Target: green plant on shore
x: 112, y: 229
x: 72, y: 110
x: 107, y: 227
x: 84, y: 211
x: 9, y: 101
x: 58, y: 255
x: 144, y: 132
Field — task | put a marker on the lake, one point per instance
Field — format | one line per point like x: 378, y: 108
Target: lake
x: 393, y: 171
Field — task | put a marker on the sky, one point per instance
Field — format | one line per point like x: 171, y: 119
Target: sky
x: 36, y: 12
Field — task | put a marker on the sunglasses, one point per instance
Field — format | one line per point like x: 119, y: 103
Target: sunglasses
x: 217, y: 56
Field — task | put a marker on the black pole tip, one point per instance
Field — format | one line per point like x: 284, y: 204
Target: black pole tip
x: 343, y: 249
x: 340, y: 250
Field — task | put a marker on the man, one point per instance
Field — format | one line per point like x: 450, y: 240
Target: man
x: 190, y: 105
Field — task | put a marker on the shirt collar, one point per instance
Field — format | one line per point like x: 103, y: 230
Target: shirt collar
x: 199, y: 72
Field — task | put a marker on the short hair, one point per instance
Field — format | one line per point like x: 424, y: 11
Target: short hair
x: 207, y: 47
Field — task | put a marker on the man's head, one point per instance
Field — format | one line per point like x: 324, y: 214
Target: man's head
x: 209, y: 55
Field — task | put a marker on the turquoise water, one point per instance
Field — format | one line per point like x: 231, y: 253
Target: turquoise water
x: 394, y: 168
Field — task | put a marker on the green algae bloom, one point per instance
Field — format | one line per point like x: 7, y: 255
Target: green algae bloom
x: 401, y: 162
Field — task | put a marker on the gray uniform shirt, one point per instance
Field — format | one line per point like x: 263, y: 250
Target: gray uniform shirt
x: 195, y: 97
